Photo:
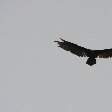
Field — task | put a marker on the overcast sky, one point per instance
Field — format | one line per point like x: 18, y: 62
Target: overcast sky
x: 36, y: 75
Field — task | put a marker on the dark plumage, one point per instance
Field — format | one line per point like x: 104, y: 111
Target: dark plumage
x: 84, y: 52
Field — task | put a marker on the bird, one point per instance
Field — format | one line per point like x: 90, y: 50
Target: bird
x: 84, y: 52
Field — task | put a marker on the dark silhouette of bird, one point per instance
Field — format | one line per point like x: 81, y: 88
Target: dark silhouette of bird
x: 84, y: 52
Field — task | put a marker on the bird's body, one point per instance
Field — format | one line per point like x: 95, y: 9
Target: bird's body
x: 84, y: 52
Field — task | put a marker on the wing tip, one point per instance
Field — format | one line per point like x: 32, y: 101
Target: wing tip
x: 56, y: 41
x: 61, y: 39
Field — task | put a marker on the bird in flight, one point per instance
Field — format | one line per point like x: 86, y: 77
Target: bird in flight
x: 84, y: 52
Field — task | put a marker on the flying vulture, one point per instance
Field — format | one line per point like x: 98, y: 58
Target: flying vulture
x: 84, y: 52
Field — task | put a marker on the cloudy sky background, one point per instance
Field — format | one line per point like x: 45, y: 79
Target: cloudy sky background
x: 36, y: 75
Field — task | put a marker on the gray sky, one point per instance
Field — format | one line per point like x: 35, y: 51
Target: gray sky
x: 36, y: 75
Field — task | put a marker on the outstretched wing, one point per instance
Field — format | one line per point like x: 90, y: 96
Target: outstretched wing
x: 73, y: 48
x: 106, y: 53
